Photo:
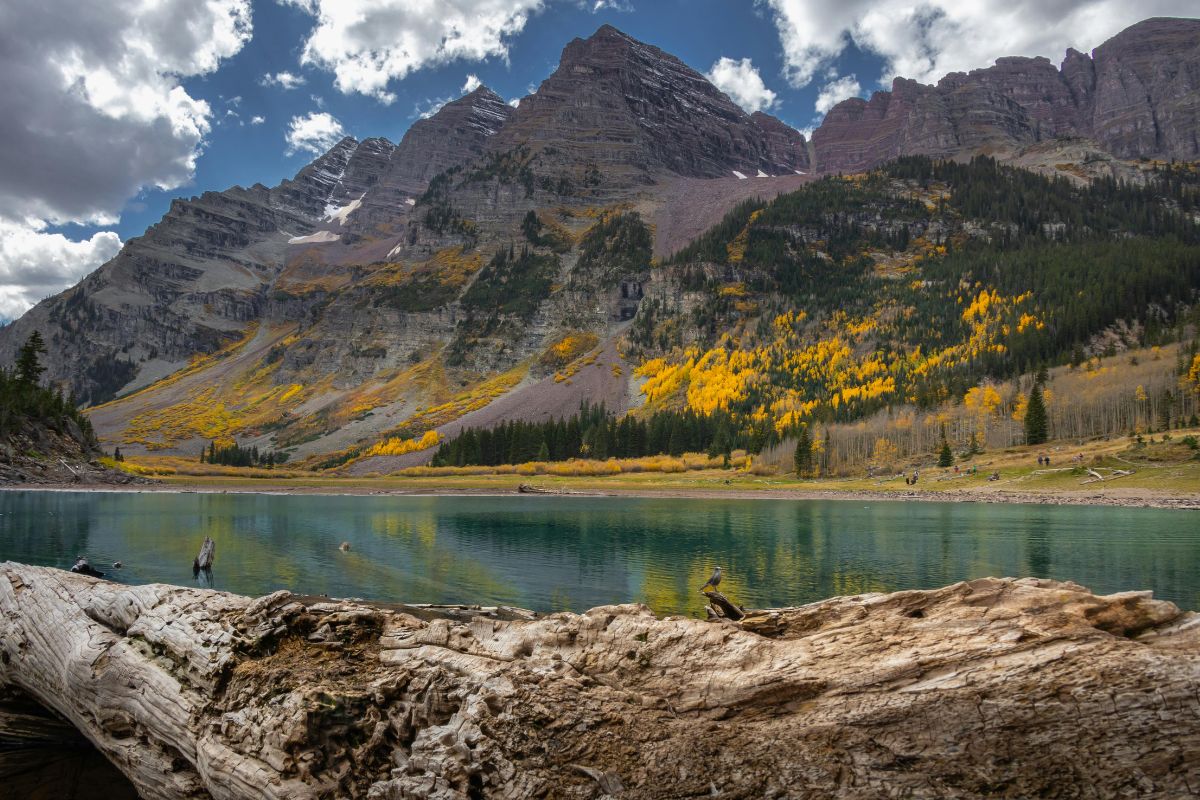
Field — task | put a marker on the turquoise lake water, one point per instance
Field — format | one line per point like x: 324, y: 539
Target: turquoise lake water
x: 572, y: 553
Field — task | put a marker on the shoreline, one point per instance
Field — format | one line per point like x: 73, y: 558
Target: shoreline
x: 1116, y: 497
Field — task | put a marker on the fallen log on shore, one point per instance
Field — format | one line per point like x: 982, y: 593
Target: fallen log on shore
x: 1020, y: 688
x: 528, y: 488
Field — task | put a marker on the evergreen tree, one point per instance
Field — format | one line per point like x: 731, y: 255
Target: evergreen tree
x: 531, y: 226
x: 1035, y: 417
x: 29, y: 365
x: 945, y: 457
x: 973, y: 447
x: 1164, y: 410
x: 803, y: 458
x: 543, y: 452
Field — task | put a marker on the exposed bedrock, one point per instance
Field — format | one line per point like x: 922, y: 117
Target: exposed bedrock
x: 993, y: 687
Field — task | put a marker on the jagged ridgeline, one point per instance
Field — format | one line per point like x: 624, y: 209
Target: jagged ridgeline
x: 912, y: 283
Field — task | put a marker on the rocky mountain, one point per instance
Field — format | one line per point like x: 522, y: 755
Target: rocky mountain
x: 389, y: 288
x: 631, y: 109
x: 1136, y: 96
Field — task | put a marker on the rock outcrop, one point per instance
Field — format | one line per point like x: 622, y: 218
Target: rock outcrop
x: 1138, y: 95
x: 1020, y: 688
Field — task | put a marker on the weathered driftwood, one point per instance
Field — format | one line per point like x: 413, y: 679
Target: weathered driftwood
x: 1116, y: 473
x: 204, y: 560
x: 84, y: 567
x: 1019, y: 688
x: 528, y: 488
x: 721, y: 607
x: 43, y: 757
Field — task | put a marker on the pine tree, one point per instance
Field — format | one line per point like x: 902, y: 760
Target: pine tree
x: 973, y: 447
x: 945, y: 457
x: 29, y: 365
x: 543, y: 453
x: 803, y: 457
x: 1035, y: 417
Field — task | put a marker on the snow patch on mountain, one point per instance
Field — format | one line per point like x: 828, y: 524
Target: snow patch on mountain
x: 319, y: 237
x: 340, y: 214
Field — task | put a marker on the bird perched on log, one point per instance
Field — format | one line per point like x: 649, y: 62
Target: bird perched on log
x: 714, y: 581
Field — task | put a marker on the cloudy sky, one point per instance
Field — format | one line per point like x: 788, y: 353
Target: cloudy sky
x: 110, y: 108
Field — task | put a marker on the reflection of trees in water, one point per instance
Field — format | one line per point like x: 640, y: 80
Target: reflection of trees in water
x: 44, y: 527
x: 556, y: 553
x: 1037, y: 550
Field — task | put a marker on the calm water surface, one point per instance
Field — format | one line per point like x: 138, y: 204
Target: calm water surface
x: 555, y: 553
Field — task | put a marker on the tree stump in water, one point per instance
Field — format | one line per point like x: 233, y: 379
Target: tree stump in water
x: 204, y: 560
x: 1036, y: 686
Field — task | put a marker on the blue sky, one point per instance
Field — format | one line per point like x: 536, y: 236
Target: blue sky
x: 239, y: 153
x: 109, y: 109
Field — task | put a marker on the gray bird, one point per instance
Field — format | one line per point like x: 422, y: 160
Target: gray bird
x: 714, y: 581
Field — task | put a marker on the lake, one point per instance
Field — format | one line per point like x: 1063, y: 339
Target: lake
x: 572, y: 553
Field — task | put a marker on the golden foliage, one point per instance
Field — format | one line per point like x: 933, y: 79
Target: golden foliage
x: 400, y: 447
x: 568, y: 348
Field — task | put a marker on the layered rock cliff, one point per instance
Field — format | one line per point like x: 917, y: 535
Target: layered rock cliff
x: 1136, y: 96
x: 629, y: 107
x: 1021, y: 688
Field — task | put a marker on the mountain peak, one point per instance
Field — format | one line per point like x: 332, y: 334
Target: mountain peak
x: 482, y: 91
x: 619, y: 101
x: 607, y: 31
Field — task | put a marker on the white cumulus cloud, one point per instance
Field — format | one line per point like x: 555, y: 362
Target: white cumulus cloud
x: 257, y: 119
x: 92, y: 111
x: 368, y: 43
x: 741, y: 81
x: 315, y: 133
x: 284, y: 80
x: 927, y: 39
x: 471, y: 84
x: 34, y: 264
x: 836, y: 91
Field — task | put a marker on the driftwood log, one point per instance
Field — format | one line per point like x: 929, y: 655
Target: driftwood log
x: 42, y: 757
x: 995, y: 687
x: 721, y: 607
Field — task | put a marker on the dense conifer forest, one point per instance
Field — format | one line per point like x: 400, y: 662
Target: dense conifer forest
x: 922, y: 285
